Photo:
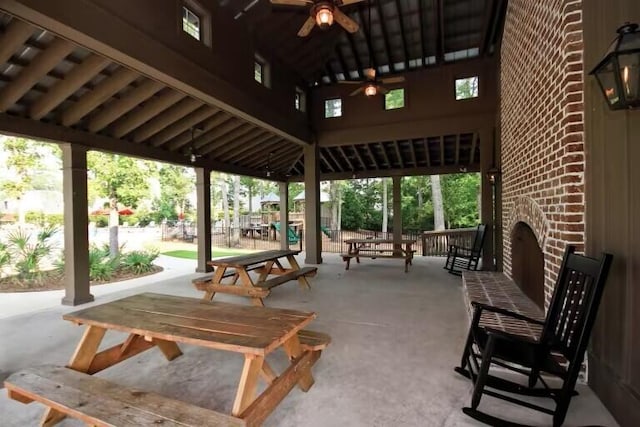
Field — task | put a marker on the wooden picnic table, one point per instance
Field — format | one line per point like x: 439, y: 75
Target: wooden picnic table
x: 378, y: 248
x: 164, y: 321
x: 265, y: 264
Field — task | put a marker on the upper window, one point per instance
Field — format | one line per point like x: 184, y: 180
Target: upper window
x: 196, y: 21
x: 191, y: 23
x: 332, y: 108
x: 467, y: 88
x: 258, y: 71
x: 300, y: 100
x: 394, y: 99
x: 261, y: 71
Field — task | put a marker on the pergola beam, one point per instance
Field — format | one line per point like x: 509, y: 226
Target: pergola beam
x: 91, y: 100
x: 333, y: 158
x: 150, y: 109
x: 74, y: 80
x: 324, y: 159
x: 360, y: 159
x: 29, y: 76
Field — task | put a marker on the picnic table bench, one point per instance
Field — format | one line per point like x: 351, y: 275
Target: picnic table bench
x: 267, y: 263
x: 163, y: 321
x: 379, y: 248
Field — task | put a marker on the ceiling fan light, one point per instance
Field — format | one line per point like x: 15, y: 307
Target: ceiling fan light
x: 324, y: 16
x: 192, y: 157
x: 370, y: 90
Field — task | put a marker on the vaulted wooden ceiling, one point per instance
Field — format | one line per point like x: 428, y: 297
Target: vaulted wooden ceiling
x: 46, y: 80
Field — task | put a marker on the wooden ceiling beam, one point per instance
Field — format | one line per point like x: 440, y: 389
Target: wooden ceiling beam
x: 412, y: 150
x: 385, y: 35
x: 486, y: 28
x: 295, y: 162
x: 439, y: 30
x: 239, y: 142
x: 344, y: 156
x: 329, y: 71
x: 399, y: 153
x: 474, y: 141
x: 14, y: 37
x: 74, y: 80
x: 261, y: 144
x: 259, y: 152
x: 207, y: 125
x: 335, y: 161
x: 101, y: 93
x: 150, y: 109
x: 427, y: 153
x: 367, y: 33
x: 218, y: 132
x: 360, y: 159
x: 457, y: 152
x: 29, y: 76
x: 166, y: 119
x: 442, y: 151
x: 327, y: 162
x: 403, y: 36
x: 222, y: 141
x: 420, y: 171
x: 182, y: 125
x: 118, y: 108
x: 373, y: 157
x: 343, y: 63
x: 423, y: 37
x: 356, y: 57
x: 385, y: 155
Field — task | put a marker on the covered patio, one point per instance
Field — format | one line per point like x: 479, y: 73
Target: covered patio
x: 395, y: 341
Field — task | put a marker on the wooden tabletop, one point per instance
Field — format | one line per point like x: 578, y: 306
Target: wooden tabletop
x: 239, y: 328
x: 377, y: 241
x: 242, y: 261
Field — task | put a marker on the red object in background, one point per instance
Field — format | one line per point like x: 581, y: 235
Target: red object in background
x: 125, y: 211
x: 105, y: 211
x: 180, y: 216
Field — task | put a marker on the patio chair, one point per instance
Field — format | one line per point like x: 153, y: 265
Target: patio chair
x: 558, y: 352
x: 459, y: 257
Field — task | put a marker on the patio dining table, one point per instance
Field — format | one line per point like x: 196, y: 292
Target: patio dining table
x: 164, y: 321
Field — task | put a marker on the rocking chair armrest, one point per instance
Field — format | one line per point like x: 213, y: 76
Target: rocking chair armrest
x: 507, y: 336
x: 502, y: 311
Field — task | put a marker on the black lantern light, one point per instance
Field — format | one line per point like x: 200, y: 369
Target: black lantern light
x: 619, y: 72
x: 493, y: 174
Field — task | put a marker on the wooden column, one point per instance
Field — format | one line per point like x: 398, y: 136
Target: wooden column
x: 203, y: 206
x: 397, y: 211
x: 284, y: 215
x: 486, y: 195
x: 76, y: 223
x: 313, y: 240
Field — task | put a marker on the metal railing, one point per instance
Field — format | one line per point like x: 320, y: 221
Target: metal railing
x: 436, y: 243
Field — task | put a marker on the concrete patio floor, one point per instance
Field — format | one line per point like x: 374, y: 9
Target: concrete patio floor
x: 396, y: 338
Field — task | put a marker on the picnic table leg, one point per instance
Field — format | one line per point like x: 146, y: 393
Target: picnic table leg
x: 265, y: 271
x: 217, y: 278
x: 80, y: 361
x: 245, y: 280
x: 248, y: 383
x: 294, y: 350
x: 302, y: 280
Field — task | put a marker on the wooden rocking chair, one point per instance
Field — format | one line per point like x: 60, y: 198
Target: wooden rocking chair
x: 460, y: 257
x: 558, y: 351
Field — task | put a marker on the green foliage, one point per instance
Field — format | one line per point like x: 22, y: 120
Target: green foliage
x: 22, y: 159
x: 101, y: 266
x: 42, y: 219
x: 5, y: 257
x: 139, y: 262
x: 295, y: 188
x: 460, y: 199
x: 120, y: 178
x: 394, y: 99
x: 467, y: 88
x: 28, y: 251
x: 99, y: 220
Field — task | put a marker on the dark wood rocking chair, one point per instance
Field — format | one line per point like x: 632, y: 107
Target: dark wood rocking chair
x: 558, y: 351
x: 459, y: 257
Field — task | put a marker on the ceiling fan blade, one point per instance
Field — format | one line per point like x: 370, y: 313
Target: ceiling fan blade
x: 382, y: 90
x: 307, y: 27
x: 392, y: 80
x: 346, y: 2
x: 370, y: 73
x: 357, y: 91
x: 292, y: 2
x: 347, y: 23
x: 349, y: 82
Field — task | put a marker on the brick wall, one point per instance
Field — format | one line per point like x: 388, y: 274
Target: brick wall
x: 542, y: 131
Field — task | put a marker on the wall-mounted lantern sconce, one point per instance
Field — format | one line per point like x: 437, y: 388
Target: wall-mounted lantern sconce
x: 618, y: 73
x: 493, y: 174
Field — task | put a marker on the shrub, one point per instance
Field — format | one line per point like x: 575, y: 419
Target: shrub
x: 101, y: 266
x: 28, y: 252
x: 139, y: 262
x: 5, y: 257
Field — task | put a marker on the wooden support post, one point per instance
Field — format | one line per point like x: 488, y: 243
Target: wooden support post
x: 284, y: 215
x: 486, y: 197
x: 313, y: 239
x: 397, y: 213
x: 203, y: 207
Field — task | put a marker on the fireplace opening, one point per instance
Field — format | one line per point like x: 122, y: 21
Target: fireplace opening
x: 527, y: 262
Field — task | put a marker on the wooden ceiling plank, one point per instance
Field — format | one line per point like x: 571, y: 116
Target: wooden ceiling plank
x: 74, y: 80
x: 335, y: 161
x: 343, y: 63
x: 439, y: 30
x: 29, y: 76
x: 239, y: 142
x: 165, y: 119
x: 15, y: 36
x: 356, y: 57
x: 373, y: 157
x: 122, y: 106
x: 490, y: 9
x: 427, y: 153
x: 295, y: 162
x: 367, y: 32
x: 412, y: 150
x: 260, y: 144
x: 385, y: 155
x: 330, y: 72
x: 421, y: 171
x: 442, y: 150
x: 405, y: 47
x: 218, y: 132
x: 150, y: 109
x: 399, y: 153
x: 324, y: 159
x: 221, y: 142
x: 423, y: 33
x: 283, y: 156
x: 210, y: 123
x: 260, y: 150
x: 457, y: 153
x: 385, y: 35
x: 360, y: 159
x: 474, y: 141
x: 100, y: 94
x: 182, y: 125
x: 344, y: 156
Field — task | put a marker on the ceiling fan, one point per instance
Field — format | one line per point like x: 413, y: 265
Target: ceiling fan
x: 191, y: 152
x: 371, y: 85
x: 322, y: 13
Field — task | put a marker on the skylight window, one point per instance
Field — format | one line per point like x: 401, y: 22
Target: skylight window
x: 394, y: 99
x: 332, y: 108
x: 191, y: 23
x: 196, y: 21
x: 467, y: 88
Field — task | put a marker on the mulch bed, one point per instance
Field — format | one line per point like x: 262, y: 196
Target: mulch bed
x: 52, y: 280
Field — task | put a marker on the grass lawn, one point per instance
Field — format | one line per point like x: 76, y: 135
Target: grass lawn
x: 217, y: 252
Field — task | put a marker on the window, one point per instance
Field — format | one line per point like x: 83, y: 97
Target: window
x: 261, y: 71
x: 196, y: 21
x: 394, y: 99
x: 191, y: 23
x: 467, y: 88
x: 258, y: 71
x: 332, y: 108
x: 300, y: 100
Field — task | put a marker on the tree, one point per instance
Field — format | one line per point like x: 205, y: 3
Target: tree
x: 123, y: 180
x: 222, y: 178
x: 176, y: 182
x: 251, y: 185
x: 236, y: 210
x: 436, y: 197
x: 385, y: 207
x: 460, y: 194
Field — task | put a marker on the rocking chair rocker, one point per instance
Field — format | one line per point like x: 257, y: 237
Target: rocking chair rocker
x: 459, y: 257
x: 559, y: 350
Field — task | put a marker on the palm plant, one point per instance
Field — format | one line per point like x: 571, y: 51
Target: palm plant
x: 5, y: 257
x: 139, y: 262
x: 29, y: 252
